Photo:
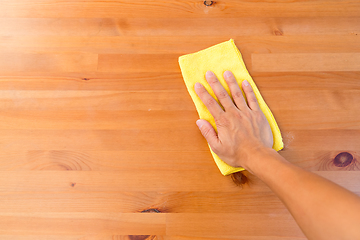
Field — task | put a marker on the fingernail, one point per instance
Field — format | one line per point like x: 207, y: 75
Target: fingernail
x: 246, y: 83
x: 199, y: 123
x: 209, y: 74
x: 197, y: 85
x: 227, y: 74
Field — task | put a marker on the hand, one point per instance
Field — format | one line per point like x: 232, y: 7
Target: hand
x: 242, y: 128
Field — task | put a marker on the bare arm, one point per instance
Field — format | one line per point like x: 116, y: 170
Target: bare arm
x: 322, y: 209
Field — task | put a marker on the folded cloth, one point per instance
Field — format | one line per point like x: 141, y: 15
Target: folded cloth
x: 218, y: 59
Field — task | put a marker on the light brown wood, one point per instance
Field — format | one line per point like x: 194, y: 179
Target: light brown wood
x: 97, y: 130
x: 308, y: 62
x: 191, y: 9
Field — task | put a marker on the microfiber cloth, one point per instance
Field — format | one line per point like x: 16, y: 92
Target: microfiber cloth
x: 219, y: 58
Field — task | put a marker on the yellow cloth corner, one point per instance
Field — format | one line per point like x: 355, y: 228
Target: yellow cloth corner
x: 218, y: 59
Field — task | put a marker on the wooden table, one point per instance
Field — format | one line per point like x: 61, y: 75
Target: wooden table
x: 97, y: 130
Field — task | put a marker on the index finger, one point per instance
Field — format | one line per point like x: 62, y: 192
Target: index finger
x: 211, y: 104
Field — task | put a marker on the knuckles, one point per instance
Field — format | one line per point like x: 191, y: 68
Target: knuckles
x: 252, y: 98
x: 249, y: 90
x: 212, y: 80
x: 222, y: 121
x: 237, y: 94
x: 222, y: 95
x: 210, y: 102
x: 206, y: 132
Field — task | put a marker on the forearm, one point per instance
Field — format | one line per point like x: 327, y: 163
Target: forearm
x: 322, y: 209
x: 244, y: 138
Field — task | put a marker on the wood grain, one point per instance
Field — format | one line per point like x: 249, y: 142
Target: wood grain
x: 141, y: 26
x: 133, y: 44
x: 307, y: 62
x: 227, y: 225
x: 83, y: 223
x: 191, y: 9
x: 48, y: 62
x: 97, y: 131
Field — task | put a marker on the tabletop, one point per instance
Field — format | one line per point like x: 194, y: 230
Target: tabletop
x: 97, y: 130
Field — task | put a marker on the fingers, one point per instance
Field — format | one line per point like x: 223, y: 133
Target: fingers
x: 250, y: 96
x: 219, y: 90
x: 211, y: 104
x: 237, y: 94
x: 208, y: 132
x: 225, y: 100
x: 235, y: 90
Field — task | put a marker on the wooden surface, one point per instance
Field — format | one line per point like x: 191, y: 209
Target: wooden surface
x: 97, y: 130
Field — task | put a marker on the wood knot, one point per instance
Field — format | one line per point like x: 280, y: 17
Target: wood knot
x: 343, y: 159
x: 145, y: 237
x: 208, y: 3
x: 278, y: 32
x: 151, y: 210
x: 239, y: 178
x: 141, y: 237
x: 339, y: 161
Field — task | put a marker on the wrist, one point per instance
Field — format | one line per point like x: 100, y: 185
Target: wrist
x: 258, y: 159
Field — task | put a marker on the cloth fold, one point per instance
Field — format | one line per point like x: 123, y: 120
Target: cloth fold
x: 219, y: 58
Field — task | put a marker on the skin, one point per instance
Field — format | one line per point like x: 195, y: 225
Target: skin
x: 322, y: 209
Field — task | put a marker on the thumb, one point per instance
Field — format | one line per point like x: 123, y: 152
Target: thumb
x: 208, y: 132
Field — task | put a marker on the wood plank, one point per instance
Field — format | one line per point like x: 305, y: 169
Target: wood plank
x: 180, y: 45
x: 140, y: 81
x: 65, y: 160
x: 129, y: 140
x: 260, y: 62
x: 82, y: 223
x: 152, y: 180
x: 278, y: 100
x: 101, y: 119
x: 136, y: 201
x: 161, y: 120
x: 164, y: 140
x: 242, y: 26
x: 115, y: 181
x: 308, y: 62
x: 96, y: 100
x: 232, y: 225
x: 96, y: 81
x: 185, y: 9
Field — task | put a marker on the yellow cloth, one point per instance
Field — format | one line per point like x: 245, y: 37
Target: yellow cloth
x: 218, y: 59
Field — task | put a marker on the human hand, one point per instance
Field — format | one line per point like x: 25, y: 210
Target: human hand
x: 242, y: 128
